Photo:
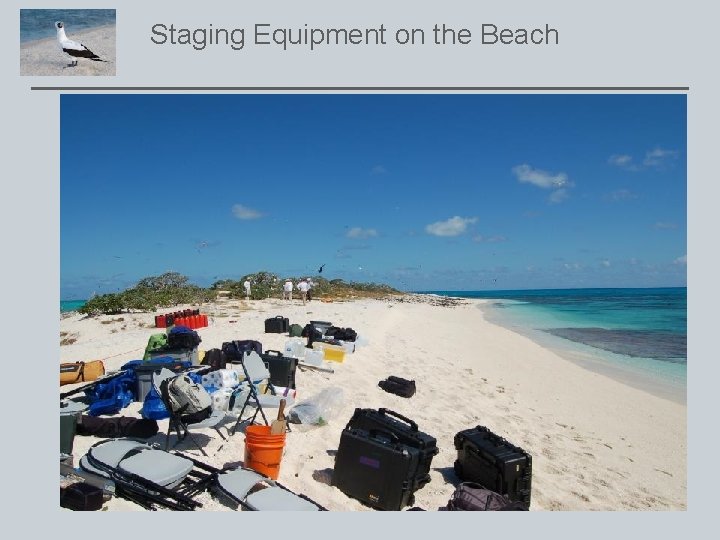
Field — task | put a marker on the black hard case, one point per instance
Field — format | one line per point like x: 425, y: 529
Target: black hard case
x: 405, y: 430
x: 493, y: 462
x: 282, y: 368
x: 277, y: 325
x: 81, y: 496
x: 374, y: 468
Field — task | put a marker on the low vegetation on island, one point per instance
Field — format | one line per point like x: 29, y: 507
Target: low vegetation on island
x: 172, y: 289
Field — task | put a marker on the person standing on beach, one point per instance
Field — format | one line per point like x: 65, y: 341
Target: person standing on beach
x: 247, y: 289
x: 287, y: 290
x: 303, y: 288
x: 309, y: 291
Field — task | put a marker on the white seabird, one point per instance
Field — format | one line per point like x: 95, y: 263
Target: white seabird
x: 73, y: 48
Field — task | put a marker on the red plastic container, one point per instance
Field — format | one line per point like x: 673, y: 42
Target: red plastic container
x: 160, y: 321
x: 204, y: 320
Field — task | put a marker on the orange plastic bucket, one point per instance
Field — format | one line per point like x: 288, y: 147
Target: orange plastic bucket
x: 263, y: 452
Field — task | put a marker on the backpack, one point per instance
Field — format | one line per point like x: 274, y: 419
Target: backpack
x: 295, y: 330
x: 181, y: 337
x: 398, y: 386
x: 215, y: 358
x: 312, y: 334
x: 473, y: 496
x: 187, y: 398
x: 156, y: 342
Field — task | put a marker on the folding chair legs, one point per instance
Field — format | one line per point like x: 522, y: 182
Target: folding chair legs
x: 258, y: 409
x: 186, y: 433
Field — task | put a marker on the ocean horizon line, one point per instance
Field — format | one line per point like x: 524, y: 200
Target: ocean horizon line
x: 493, y: 291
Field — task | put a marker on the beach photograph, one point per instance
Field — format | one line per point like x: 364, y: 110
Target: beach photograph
x: 67, y: 42
x: 373, y: 302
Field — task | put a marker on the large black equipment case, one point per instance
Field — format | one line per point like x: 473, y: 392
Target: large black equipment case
x: 81, y: 496
x: 374, y: 468
x: 282, y: 368
x: 277, y: 325
x: 406, y: 432
x: 493, y: 462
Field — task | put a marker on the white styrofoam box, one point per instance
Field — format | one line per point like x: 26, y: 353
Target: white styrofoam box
x: 314, y: 357
x: 349, y: 346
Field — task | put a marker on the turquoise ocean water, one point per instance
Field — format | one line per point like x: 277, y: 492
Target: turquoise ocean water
x: 71, y: 305
x: 637, y: 335
x: 40, y: 23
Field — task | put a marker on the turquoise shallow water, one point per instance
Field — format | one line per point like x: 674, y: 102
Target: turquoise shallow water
x: 40, y: 23
x: 639, y: 335
x: 71, y: 305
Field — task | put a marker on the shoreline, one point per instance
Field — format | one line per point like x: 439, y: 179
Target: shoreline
x: 595, y: 360
x: 42, y: 57
x: 52, y: 37
x: 468, y: 372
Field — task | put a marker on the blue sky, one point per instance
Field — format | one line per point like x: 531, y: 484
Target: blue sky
x: 453, y: 192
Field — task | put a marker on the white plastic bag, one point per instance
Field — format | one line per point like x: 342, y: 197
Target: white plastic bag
x: 318, y: 409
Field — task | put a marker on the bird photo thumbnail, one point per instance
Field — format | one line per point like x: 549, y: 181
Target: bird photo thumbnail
x: 67, y: 42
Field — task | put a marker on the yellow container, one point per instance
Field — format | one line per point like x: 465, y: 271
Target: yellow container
x: 332, y: 353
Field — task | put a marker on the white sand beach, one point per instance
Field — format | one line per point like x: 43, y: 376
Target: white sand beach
x: 596, y: 443
x: 43, y: 57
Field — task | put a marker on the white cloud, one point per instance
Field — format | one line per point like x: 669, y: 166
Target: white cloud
x: 243, y: 212
x: 558, y: 196
x: 359, y: 232
x: 620, y: 160
x: 454, y: 226
x: 558, y: 182
x: 657, y: 157
x: 542, y: 179
x: 681, y: 260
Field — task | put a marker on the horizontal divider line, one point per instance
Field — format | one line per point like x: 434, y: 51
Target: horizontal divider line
x: 365, y: 88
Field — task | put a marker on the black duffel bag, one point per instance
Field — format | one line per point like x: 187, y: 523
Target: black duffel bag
x: 121, y: 426
x: 182, y: 337
x: 473, y: 496
x: 398, y: 386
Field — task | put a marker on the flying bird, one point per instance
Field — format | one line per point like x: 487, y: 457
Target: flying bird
x: 73, y: 48
x: 320, y: 269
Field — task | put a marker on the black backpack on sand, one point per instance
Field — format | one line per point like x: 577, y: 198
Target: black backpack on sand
x: 215, y: 358
x: 398, y: 386
x: 473, y: 496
